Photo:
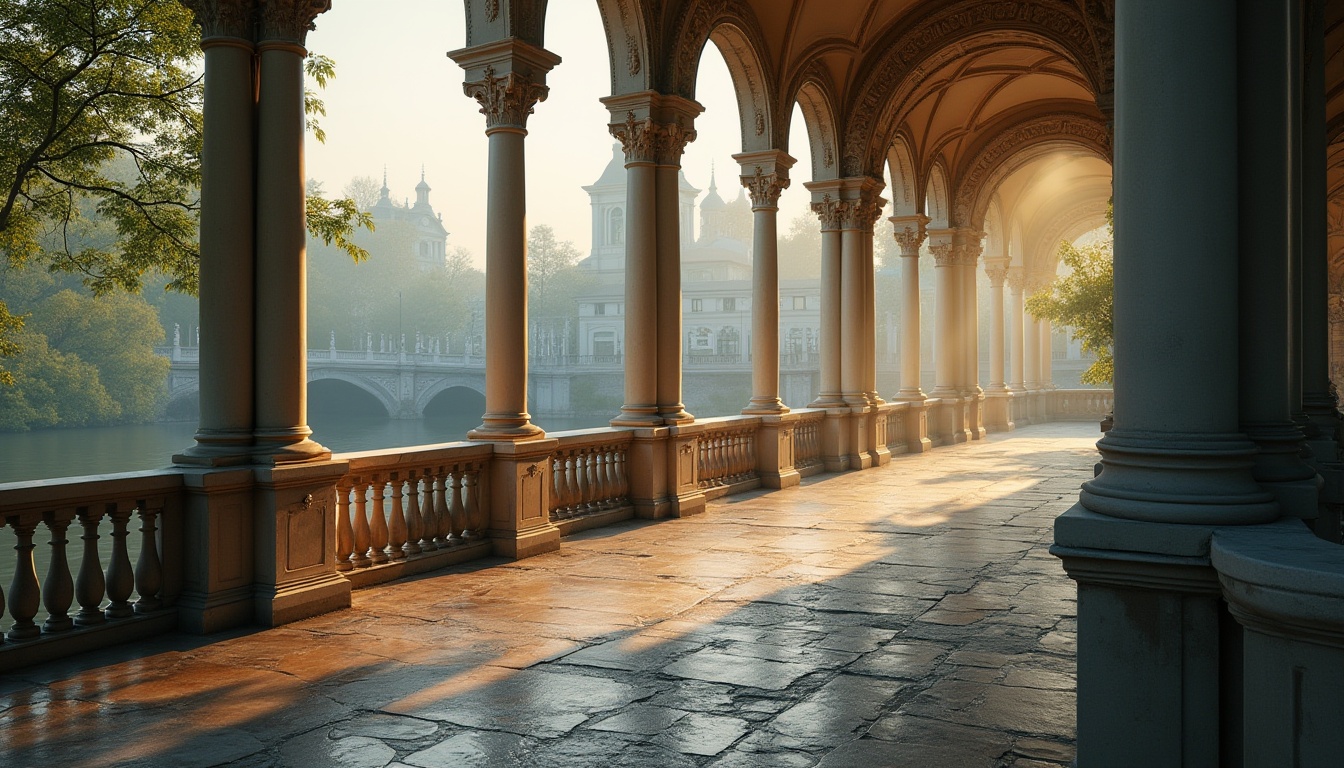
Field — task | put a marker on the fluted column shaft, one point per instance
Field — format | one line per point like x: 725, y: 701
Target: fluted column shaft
x: 765, y: 175
x: 829, y: 389
x: 910, y: 232
x: 224, y: 433
x: 870, y: 305
x: 507, y: 81
x: 281, y: 433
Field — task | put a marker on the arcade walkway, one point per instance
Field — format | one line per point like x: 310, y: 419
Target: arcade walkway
x: 903, y: 616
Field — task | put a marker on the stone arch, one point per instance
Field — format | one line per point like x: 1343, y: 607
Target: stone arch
x: 471, y: 399
x: 491, y: 20
x: 935, y: 34
x: 385, y: 392
x: 1017, y: 144
x: 905, y: 182
x: 938, y: 205
x: 626, y: 27
x: 752, y: 85
x: 815, y: 98
x: 447, y: 384
x: 995, y: 243
x: 1068, y: 224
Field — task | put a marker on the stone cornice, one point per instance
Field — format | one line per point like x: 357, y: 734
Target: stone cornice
x: 505, y: 101
x: 290, y: 21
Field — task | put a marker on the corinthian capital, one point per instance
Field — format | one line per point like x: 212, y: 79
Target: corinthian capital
x: 764, y: 188
x: 997, y: 272
x: 290, y: 21
x: 944, y: 254
x: 505, y: 101
x: 646, y: 141
x: 224, y: 18
x: 828, y: 209
x: 909, y: 232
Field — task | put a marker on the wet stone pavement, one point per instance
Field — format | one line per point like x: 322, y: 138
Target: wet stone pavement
x: 906, y: 616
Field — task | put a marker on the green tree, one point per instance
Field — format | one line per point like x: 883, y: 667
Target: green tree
x: 554, y: 282
x: 1084, y: 300
x: 53, y: 389
x: 101, y: 103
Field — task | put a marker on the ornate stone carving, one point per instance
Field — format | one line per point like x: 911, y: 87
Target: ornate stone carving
x: 764, y: 188
x: 224, y: 18
x: 1336, y: 309
x: 944, y: 254
x: 910, y: 234
x: 632, y: 55
x: 1017, y: 281
x: 290, y: 20
x: 861, y: 214
x: 997, y: 272
x: 829, y: 211
x: 649, y: 142
x: 505, y: 101
x: 491, y: 10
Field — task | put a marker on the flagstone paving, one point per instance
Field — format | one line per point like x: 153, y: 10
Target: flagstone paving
x: 905, y: 616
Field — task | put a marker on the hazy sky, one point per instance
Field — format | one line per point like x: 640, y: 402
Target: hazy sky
x: 397, y: 101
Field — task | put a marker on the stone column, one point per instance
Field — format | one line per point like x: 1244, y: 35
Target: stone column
x: 641, y: 279
x: 871, y: 212
x: 1268, y: 233
x: 998, y: 399
x: 672, y: 141
x: 910, y: 233
x: 827, y: 209
x: 1150, y: 613
x: 852, y: 334
x: 1047, y: 351
x: 948, y: 339
x: 281, y: 433
x: 1031, y: 352
x: 1017, y: 329
x: 765, y: 175
x: 969, y: 250
x: 507, y: 79
x: 1318, y: 402
x: 224, y: 434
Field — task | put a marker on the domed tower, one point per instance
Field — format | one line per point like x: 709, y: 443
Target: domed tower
x: 712, y: 212
x: 607, y: 198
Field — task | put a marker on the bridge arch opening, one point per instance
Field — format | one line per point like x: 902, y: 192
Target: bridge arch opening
x: 456, y: 404
x: 331, y: 398
x: 183, y: 407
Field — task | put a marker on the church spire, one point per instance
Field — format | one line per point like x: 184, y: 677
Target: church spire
x: 385, y: 193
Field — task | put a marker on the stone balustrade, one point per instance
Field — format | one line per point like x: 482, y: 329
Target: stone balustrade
x: 807, y: 441
x: 90, y: 594
x: 726, y: 454
x: 409, y: 510
x: 590, y: 478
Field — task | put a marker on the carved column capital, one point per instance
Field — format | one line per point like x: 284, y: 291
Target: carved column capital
x: 505, y: 101
x: 290, y: 21
x: 1017, y: 280
x: 944, y: 253
x: 764, y: 188
x: 224, y: 18
x: 910, y: 233
x: 828, y: 209
x: 997, y: 272
x: 646, y: 141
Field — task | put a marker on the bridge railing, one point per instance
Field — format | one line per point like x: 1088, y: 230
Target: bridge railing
x: 408, y: 510
x: 82, y: 535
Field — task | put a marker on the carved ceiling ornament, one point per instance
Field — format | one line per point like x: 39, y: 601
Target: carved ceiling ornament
x: 926, y: 42
x: 290, y: 20
x: 764, y: 188
x: 505, y: 101
x: 992, y: 162
x: 224, y: 18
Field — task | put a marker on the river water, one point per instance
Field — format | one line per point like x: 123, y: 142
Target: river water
x: 48, y: 453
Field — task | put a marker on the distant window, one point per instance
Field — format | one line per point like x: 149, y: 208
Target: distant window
x: 730, y: 305
x: 604, y: 343
x: 800, y: 302
x: 599, y: 309
x: 697, y: 305
x: 616, y: 227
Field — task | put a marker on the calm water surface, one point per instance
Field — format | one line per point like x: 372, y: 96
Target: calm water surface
x: 48, y: 453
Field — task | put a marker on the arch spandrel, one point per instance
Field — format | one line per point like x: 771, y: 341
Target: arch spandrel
x: 906, y: 182
x: 490, y: 21
x: 1067, y: 224
x: 629, y: 49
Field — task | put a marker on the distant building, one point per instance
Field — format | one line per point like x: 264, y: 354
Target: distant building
x: 430, y: 240
x: 715, y: 273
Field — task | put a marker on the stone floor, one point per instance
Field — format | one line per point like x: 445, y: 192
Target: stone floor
x: 908, y: 616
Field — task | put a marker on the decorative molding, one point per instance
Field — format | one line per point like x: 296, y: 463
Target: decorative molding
x: 224, y: 18
x: 764, y: 188
x: 645, y: 141
x: 505, y: 101
x: 492, y: 10
x: 1017, y: 280
x: 290, y: 20
x: 861, y: 214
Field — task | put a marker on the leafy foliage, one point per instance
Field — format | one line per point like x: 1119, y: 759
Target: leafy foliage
x: 1083, y: 300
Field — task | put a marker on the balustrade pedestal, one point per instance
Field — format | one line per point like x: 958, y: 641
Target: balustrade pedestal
x: 775, y: 451
x: 520, y: 499
x: 217, y: 565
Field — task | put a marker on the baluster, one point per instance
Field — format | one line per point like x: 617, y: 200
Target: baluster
x: 24, y: 594
x: 363, y: 535
x: 470, y: 490
x: 396, y: 524
x: 720, y: 458
x: 433, y: 522
x: 702, y: 460
x: 120, y: 578
x: 557, y: 485
x: 738, y: 445
x: 445, y: 487
x: 591, y: 464
x: 377, y: 523
x: 609, y: 477
x: 414, y: 528
x: 457, y: 510
x: 345, y: 532
x: 148, y: 568
x: 573, y: 494
x: 622, y: 475
x: 58, y: 589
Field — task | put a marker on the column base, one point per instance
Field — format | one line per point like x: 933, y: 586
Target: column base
x: 860, y: 454
x: 767, y: 406
x: 513, y: 428
x: 217, y: 448
x: 676, y: 414
x: 827, y: 400
x: 637, y: 416
x: 217, y: 524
